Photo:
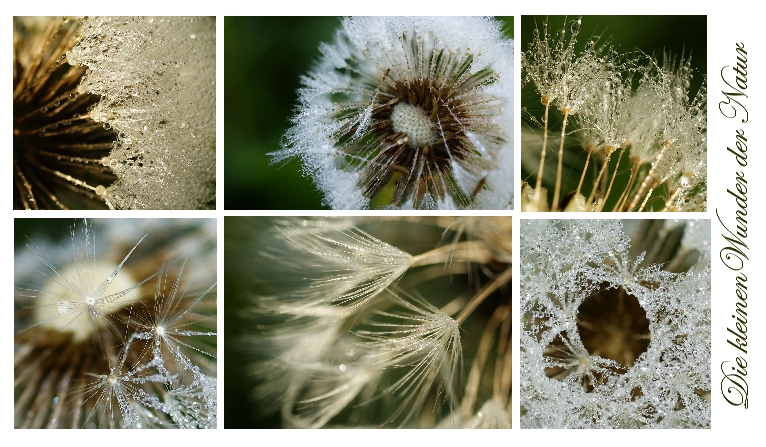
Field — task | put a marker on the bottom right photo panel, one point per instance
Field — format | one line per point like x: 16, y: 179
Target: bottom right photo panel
x: 615, y: 323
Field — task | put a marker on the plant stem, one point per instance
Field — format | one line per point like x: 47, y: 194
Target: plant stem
x: 670, y: 200
x: 468, y: 251
x: 590, y: 150
x: 609, y: 150
x: 486, y: 291
x: 624, y: 196
x: 474, y: 377
x: 646, y: 199
x: 614, y: 174
x: 649, y: 177
x: 501, y: 388
x: 557, y: 190
x: 545, y: 100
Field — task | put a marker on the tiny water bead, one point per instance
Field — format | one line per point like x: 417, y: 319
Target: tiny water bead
x: 63, y: 306
x: 687, y: 179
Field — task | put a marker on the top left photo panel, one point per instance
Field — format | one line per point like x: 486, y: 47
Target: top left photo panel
x: 114, y: 113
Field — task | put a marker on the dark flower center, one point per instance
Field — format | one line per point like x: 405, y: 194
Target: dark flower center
x: 57, y: 149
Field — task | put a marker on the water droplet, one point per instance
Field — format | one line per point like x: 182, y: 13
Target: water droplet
x: 63, y: 306
x: 574, y: 26
x: 686, y: 179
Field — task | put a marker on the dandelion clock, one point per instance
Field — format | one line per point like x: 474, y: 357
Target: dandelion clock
x: 615, y: 324
x: 408, y: 113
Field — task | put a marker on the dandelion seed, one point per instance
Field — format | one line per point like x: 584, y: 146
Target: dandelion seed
x: 391, y: 355
x: 81, y: 321
x: 626, y: 133
x: 423, y: 338
x: 354, y: 265
x: 74, y: 298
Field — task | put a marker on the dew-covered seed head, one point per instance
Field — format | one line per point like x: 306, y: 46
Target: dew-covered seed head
x: 419, y: 107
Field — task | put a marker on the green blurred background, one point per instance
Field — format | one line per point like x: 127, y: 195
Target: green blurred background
x: 653, y: 35
x: 264, y: 58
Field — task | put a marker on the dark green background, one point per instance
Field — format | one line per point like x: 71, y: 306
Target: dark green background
x: 264, y: 58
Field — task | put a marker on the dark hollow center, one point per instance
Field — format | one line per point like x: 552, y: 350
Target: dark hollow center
x: 613, y: 325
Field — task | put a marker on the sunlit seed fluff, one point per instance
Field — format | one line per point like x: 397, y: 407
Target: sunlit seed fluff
x: 84, y: 356
x: 409, y: 112
x: 66, y: 311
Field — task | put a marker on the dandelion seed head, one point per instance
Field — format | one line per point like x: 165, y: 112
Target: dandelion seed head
x: 427, y: 100
x: 55, y: 143
x: 84, y: 308
x: 638, y: 348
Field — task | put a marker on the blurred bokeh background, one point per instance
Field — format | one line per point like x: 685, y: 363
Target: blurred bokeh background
x: 264, y: 58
